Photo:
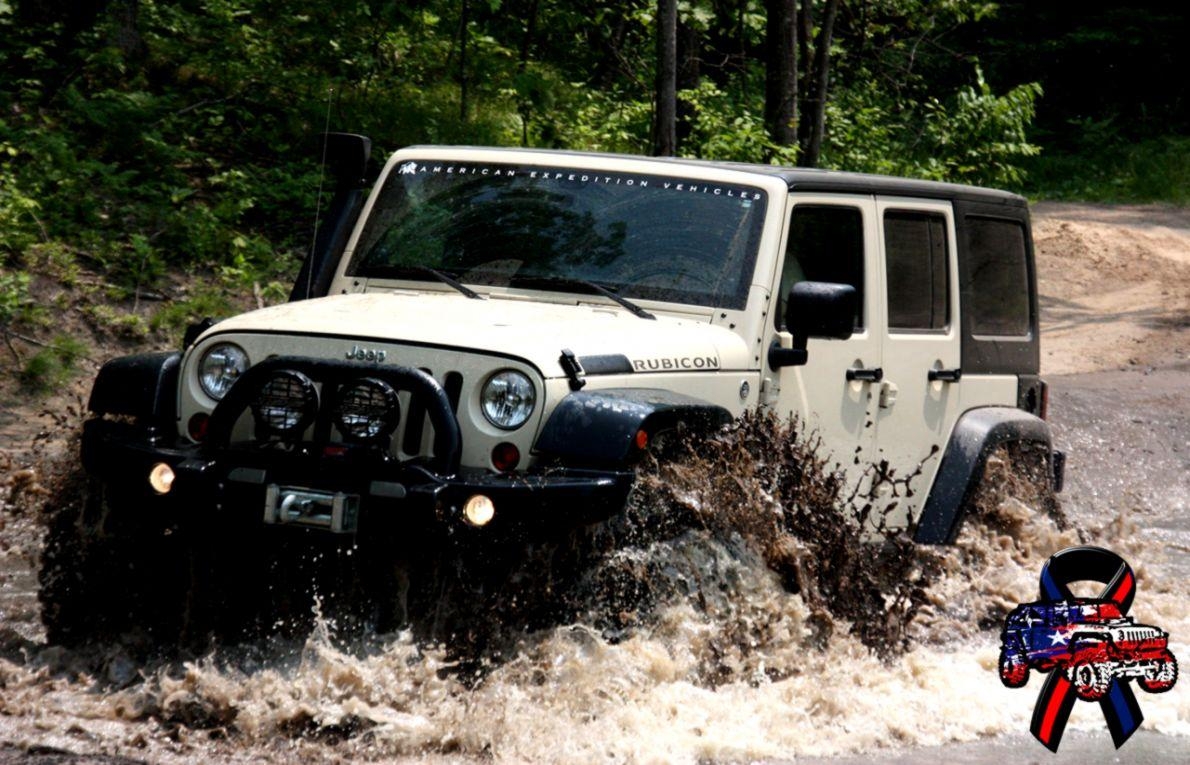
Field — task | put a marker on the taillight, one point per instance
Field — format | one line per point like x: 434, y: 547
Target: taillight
x: 1043, y: 409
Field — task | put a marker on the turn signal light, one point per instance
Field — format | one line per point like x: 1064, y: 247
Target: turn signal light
x: 197, y: 426
x: 505, y: 456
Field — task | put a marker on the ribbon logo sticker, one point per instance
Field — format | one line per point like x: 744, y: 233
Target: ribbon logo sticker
x: 1089, y: 646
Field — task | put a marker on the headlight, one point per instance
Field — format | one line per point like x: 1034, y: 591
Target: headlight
x: 220, y: 367
x: 368, y: 410
x: 507, y: 399
x: 286, y: 405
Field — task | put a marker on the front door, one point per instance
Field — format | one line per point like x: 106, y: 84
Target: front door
x: 833, y: 238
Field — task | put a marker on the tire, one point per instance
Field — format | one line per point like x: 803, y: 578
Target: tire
x: 110, y: 571
x: 1020, y: 472
x: 1091, y: 680
x: 1014, y: 673
x: 1163, y: 677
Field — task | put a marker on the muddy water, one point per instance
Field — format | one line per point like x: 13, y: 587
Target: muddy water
x: 740, y: 670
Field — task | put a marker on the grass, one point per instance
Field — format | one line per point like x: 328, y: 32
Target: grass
x: 53, y: 366
x: 1154, y: 170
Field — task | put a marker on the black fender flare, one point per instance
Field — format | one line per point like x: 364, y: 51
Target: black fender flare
x: 976, y: 434
x: 600, y: 426
x: 143, y: 386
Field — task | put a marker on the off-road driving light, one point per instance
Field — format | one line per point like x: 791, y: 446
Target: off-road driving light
x: 286, y: 405
x: 507, y: 399
x: 220, y: 367
x: 161, y: 478
x: 478, y: 510
x: 368, y: 410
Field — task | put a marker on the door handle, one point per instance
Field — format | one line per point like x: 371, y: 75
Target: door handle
x: 945, y: 375
x: 865, y: 375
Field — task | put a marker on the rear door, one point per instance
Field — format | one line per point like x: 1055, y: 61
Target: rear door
x: 917, y: 401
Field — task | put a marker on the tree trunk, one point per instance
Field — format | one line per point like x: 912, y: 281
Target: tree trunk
x: 125, y: 32
x: 524, y: 103
x: 463, y: 35
x: 665, y: 114
x: 688, y: 75
x: 814, y: 117
x: 780, y: 78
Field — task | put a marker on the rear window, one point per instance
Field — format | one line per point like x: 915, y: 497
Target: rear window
x: 916, y: 264
x: 997, y: 298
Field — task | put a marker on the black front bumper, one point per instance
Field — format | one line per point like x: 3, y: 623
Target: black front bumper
x: 244, y: 483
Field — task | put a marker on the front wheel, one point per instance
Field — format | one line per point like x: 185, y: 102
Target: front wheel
x: 1162, y: 676
x: 110, y: 568
x: 1091, y: 680
x: 1014, y: 673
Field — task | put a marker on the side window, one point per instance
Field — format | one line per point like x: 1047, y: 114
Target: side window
x: 826, y: 244
x: 998, y: 295
x: 917, y: 272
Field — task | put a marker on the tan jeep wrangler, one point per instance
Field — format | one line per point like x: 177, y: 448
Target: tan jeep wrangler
x: 489, y: 341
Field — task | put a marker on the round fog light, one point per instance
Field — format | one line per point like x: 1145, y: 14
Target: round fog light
x: 478, y: 510
x: 161, y: 478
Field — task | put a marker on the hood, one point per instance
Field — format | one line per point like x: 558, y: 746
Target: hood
x: 534, y: 331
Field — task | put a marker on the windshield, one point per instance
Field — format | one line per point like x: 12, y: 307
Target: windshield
x: 641, y: 236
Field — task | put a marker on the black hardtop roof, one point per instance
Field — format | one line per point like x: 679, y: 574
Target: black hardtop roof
x: 807, y: 179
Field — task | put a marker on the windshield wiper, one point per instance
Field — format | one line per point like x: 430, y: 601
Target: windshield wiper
x: 581, y: 285
x: 396, y: 272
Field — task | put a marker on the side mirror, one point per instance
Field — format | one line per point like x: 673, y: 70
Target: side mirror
x: 820, y: 309
x: 815, y: 309
x: 347, y: 157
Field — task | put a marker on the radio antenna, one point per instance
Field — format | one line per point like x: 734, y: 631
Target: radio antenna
x: 318, y: 205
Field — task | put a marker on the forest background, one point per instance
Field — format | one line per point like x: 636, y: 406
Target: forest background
x: 159, y: 159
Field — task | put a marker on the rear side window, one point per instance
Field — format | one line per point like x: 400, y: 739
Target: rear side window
x: 916, y: 263
x: 826, y: 244
x: 998, y: 295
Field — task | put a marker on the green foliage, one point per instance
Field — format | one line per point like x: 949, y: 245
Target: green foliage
x: 205, y: 300
x: 1106, y: 168
x: 187, y: 137
x: 111, y: 320
x: 730, y: 125
x: 15, y: 303
x: 53, y: 366
x: 974, y: 136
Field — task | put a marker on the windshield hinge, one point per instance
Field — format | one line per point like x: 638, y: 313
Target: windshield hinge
x: 572, y: 369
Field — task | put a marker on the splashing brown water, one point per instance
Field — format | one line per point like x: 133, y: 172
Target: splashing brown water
x: 879, y: 646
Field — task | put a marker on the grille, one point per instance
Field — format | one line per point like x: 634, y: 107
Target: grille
x: 418, y: 434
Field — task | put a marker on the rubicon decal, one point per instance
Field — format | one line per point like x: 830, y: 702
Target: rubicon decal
x: 1089, y: 646
x: 675, y: 363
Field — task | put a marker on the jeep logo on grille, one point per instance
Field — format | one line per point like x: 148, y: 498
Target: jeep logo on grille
x: 366, y: 354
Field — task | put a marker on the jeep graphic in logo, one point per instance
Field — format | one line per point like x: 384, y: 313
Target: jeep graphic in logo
x: 366, y: 354
x: 1090, y: 647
